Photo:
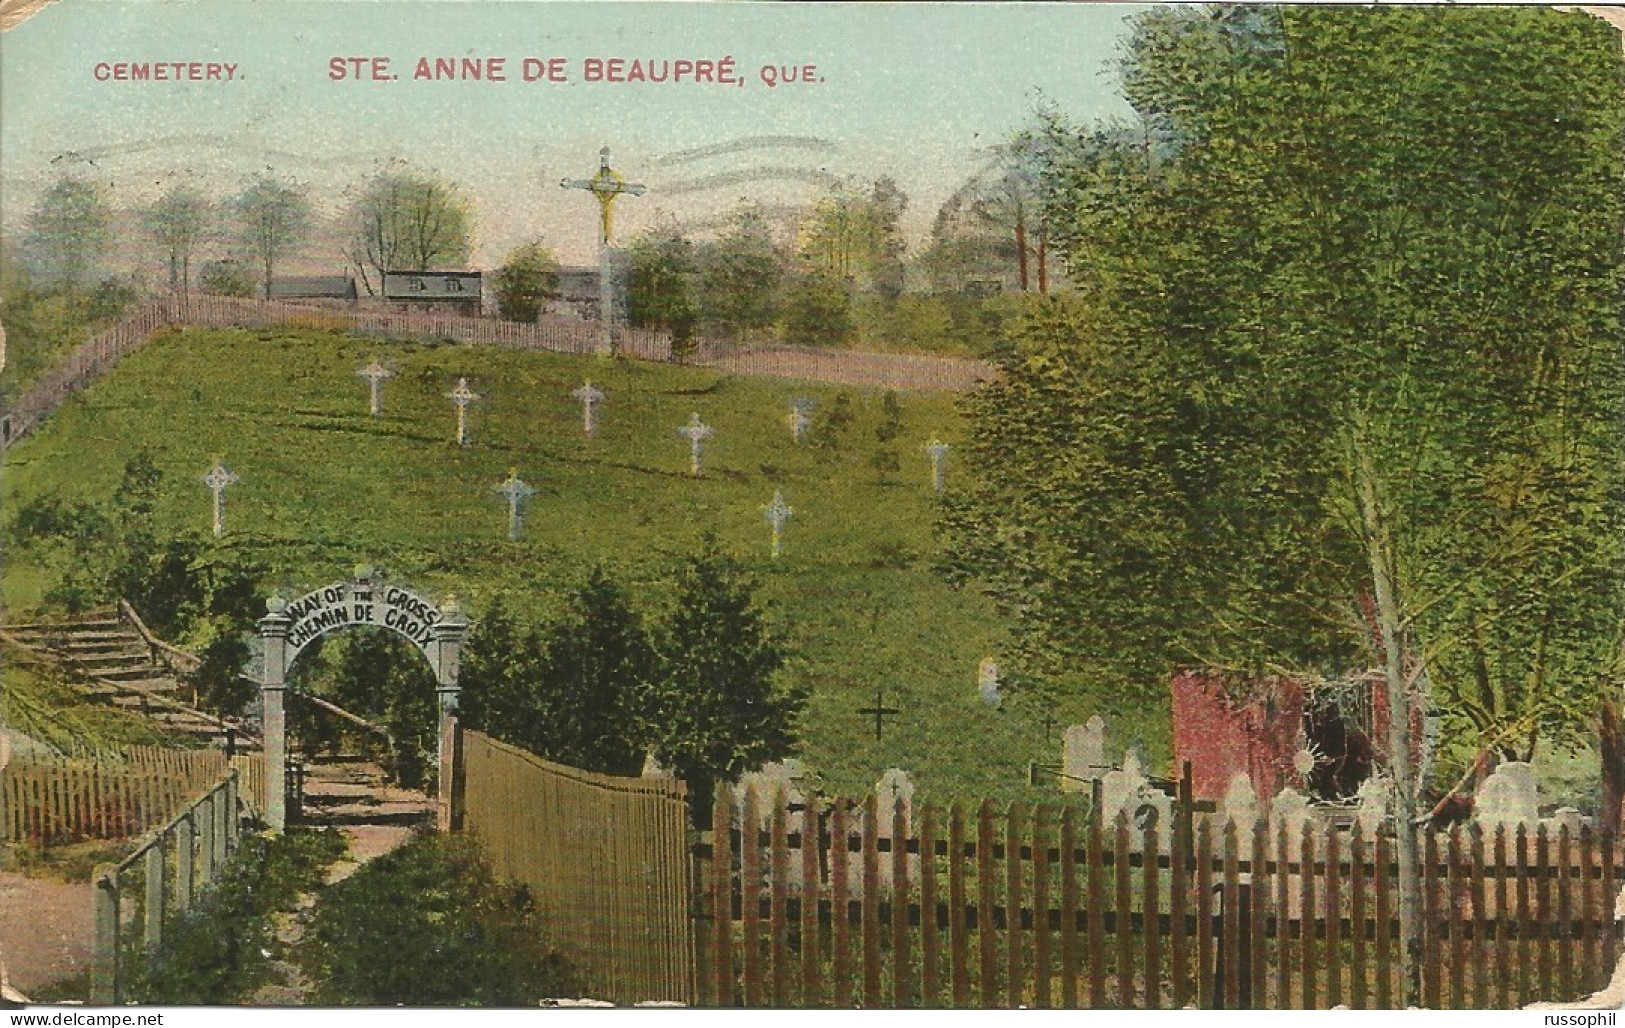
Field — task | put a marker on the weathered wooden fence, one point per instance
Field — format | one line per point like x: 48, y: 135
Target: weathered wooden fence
x: 1048, y: 907
x: 606, y: 859
x: 51, y: 801
x: 93, y: 358
x: 136, y: 898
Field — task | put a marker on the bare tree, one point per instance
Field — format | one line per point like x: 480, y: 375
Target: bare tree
x: 177, y: 221
x: 408, y: 221
x: 69, y: 228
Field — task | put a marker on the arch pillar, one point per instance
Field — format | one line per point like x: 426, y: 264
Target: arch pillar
x: 274, y: 640
x: 449, y: 633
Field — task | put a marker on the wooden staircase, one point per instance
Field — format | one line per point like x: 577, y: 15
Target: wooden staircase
x: 112, y: 659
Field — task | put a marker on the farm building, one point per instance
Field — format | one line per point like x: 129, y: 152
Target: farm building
x: 313, y: 287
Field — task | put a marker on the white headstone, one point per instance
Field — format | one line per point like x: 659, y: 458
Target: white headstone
x: 1374, y: 799
x: 1567, y: 817
x: 1508, y: 797
x: 894, y: 793
x: 1083, y: 754
x: 987, y: 681
x: 767, y: 781
x: 1240, y: 803
x: 1289, y: 810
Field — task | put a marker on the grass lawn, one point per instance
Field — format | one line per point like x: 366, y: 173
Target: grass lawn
x: 324, y: 488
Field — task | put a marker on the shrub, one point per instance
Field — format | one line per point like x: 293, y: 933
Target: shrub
x: 220, y: 951
x: 430, y: 925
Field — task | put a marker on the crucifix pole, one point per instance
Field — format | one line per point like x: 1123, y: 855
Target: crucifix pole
x: 605, y: 186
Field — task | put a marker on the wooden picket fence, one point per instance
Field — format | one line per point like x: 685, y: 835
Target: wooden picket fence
x: 839, y: 905
x: 605, y: 858
x: 50, y: 801
x: 98, y: 355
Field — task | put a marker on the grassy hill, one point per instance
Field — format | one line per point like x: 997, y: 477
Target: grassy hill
x: 324, y: 487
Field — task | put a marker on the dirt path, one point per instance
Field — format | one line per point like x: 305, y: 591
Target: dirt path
x: 46, y: 928
x: 367, y: 843
x: 856, y: 368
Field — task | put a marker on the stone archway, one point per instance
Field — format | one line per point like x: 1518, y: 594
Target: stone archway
x: 289, y: 626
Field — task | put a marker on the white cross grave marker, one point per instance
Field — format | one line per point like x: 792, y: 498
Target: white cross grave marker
x: 462, y: 396
x: 515, y: 491
x: 589, y: 398
x: 939, y: 462
x: 218, y: 480
x: 606, y: 186
x: 696, y: 432
x: 777, y: 513
x: 375, y: 374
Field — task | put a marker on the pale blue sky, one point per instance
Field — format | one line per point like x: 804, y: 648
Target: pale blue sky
x: 910, y: 90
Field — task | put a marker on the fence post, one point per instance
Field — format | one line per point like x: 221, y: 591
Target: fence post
x: 104, y: 984
x: 449, y: 797
x: 222, y: 815
x: 154, y: 933
x: 185, y: 839
x: 233, y: 822
x: 204, y: 812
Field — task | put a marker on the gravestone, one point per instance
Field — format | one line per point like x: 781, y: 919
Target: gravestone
x: 1083, y: 754
x: 1508, y: 797
x: 652, y: 768
x: 894, y: 792
x: 789, y: 775
x: 1240, y: 804
x: 987, y: 681
x: 1373, y: 801
x: 1127, y: 789
x: 1289, y: 810
x: 696, y: 432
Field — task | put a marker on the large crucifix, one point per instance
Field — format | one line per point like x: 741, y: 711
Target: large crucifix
x: 606, y: 185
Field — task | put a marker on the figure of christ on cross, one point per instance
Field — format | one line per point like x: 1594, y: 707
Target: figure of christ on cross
x: 606, y: 186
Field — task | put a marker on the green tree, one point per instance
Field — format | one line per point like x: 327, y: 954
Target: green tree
x: 409, y: 221
x: 273, y: 221
x: 817, y: 311
x: 1353, y: 349
x: 225, y: 278
x: 69, y: 229
x: 527, y: 280
x: 660, y: 291
x: 176, y: 222
x: 716, y: 708
x: 599, y: 665
x: 501, y: 666
x: 740, y: 275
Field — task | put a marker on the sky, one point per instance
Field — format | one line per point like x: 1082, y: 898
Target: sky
x: 918, y: 92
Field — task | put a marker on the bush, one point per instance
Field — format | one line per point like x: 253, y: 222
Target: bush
x: 221, y: 950
x: 429, y: 925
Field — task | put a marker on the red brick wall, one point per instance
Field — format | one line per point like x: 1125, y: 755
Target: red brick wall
x: 1256, y: 731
